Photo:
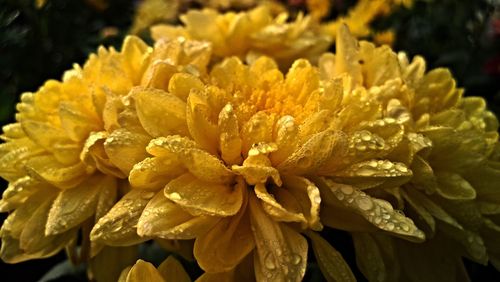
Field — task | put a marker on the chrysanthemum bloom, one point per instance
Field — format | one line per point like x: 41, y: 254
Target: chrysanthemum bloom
x: 169, y: 270
x: 251, y: 34
x: 57, y: 156
x: 449, y: 144
x: 237, y: 162
x: 58, y: 172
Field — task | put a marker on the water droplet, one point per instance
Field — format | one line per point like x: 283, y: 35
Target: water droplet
x: 175, y: 196
x: 296, y: 259
x: 390, y: 226
x: 147, y: 195
x: 269, y: 262
x: 117, y: 228
x: 364, y: 203
x: 317, y: 199
x: 346, y: 189
x: 364, y: 171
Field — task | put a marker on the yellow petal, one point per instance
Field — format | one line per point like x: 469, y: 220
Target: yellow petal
x: 378, y: 212
x: 144, y: 271
x: 372, y: 173
x: 258, y: 129
x: 172, y: 271
x: 160, y: 113
x: 453, y: 186
x: 10, y: 252
x: 226, y: 244
x: 118, y: 226
x: 201, y: 127
x: 347, y: 55
x: 379, y: 64
x: 126, y: 148
x: 74, y: 206
x: 281, y: 252
x: 13, y: 156
x: 77, y: 124
x: 313, y: 154
x: 19, y: 191
x: 181, y: 84
x: 229, y: 140
x: 165, y: 219
x: 208, y: 198
x: 201, y: 164
x: 257, y: 167
x: 135, y: 53
x: 285, y: 136
x: 33, y: 239
x: 154, y: 173
x: 308, y: 197
x: 330, y: 261
x: 424, y: 177
x: 93, y: 154
x: 47, y: 168
x: 288, y: 212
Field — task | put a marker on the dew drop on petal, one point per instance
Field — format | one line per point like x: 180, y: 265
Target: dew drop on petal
x: 175, y: 196
x: 269, y: 262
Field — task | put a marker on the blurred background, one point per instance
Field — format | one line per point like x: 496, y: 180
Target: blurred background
x: 41, y: 39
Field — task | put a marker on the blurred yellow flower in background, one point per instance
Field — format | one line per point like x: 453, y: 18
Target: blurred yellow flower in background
x: 251, y: 34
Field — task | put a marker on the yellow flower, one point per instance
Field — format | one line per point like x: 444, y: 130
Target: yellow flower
x: 251, y: 34
x: 71, y: 145
x: 449, y: 144
x: 238, y: 159
x: 59, y: 175
x: 169, y: 270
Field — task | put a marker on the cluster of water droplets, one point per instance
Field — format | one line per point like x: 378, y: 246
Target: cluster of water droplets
x: 379, y: 212
x: 377, y: 168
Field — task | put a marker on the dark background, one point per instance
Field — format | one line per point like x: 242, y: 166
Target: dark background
x: 38, y: 44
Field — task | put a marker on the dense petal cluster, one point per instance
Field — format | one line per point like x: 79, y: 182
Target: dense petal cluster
x: 211, y: 143
x: 60, y: 177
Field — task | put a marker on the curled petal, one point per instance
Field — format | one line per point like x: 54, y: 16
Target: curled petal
x: 281, y: 252
x: 307, y: 196
x: 289, y: 211
x: 165, y: 219
x: 126, y: 148
x: 201, y: 164
x: 93, y: 154
x: 208, y: 198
